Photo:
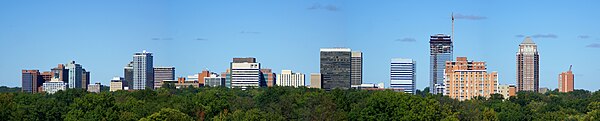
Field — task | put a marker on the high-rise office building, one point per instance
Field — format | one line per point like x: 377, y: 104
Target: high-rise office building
x: 268, y: 76
x: 467, y: 79
x: 335, y: 68
x: 163, y: 73
x: 143, y: 71
x: 565, y: 81
x: 315, y: 80
x: 440, y: 52
x: 128, y: 75
x: 528, y: 63
x: 356, y: 69
x: 245, y: 73
x: 85, y: 79
x: 287, y: 78
x: 75, y: 75
x: 60, y: 73
x: 403, y: 75
x: 31, y: 81
x: 116, y: 84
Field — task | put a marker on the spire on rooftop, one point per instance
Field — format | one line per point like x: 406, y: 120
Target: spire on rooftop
x: 527, y: 40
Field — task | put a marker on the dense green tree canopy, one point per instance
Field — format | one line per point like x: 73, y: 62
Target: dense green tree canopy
x: 286, y: 103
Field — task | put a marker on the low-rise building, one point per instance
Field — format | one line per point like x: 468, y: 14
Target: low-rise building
x: 315, y: 80
x: 287, y: 78
x: 52, y: 87
x: 214, y: 81
x: 117, y: 83
x: 94, y: 88
x: 182, y: 82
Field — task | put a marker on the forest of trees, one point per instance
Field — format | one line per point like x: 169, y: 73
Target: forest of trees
x: 286, y: 103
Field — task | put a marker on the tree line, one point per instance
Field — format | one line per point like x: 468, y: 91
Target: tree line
x: 287, y: 103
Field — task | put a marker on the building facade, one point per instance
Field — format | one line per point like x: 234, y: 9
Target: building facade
x: 143, y: 71
x: 441, y: 50
x: 128, y: 75
x: 60, y: 73
x: 245, y: 73
x: 116, y: 84
x: 528, y: 63
x: 356, y: 69
x: 202, y: 75
x: 468, y: 79
x: 290, y: 79
x: 75, y: 75
x: 566, y: 81
x: 31, y: 81
x: 268, y: 76
x: 52, y: 87
x: 85, y: 78
x: 403, y: 75
x: 227, y: 76
x: 214, y: 81
x: 182, y: 82
x: 335, y: 68
x: 46, y: 76
x: 163, y: 73
x: 504, y: 90
x: 95, y: 88
x: 315, y: 80
x: 369, y: 86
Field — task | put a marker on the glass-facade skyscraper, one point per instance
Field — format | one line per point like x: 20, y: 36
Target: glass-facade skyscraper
x: 75, y: 72
x: 143, y: 71
x: 440, y: 52
x: 403, y: 75
x: 335, y: 68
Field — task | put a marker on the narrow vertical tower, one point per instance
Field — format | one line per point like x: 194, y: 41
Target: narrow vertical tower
x: 528, y: 70
x: 143, y: 71
x: 356, y: 69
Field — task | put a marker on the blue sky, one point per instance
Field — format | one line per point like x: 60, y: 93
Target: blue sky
x: 195, y: 35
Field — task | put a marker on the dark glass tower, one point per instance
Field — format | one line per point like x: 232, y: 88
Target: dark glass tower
x: 441, y: 51
x: 335, y: 68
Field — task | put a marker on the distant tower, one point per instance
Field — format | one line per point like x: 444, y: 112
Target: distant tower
x: 528, y: 63
x: 75, y: 75
x: 566, y: 81
x: 440, y: 52
x: 143, y: 71
x: 356, y: 69
x: 245, y: 73
x: 403, y: 75
x: 336, y: 67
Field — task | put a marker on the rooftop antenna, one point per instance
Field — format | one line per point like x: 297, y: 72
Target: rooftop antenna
x: 570, y: 66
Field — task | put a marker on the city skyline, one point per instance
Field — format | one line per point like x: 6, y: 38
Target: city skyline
x: 176, y: 32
